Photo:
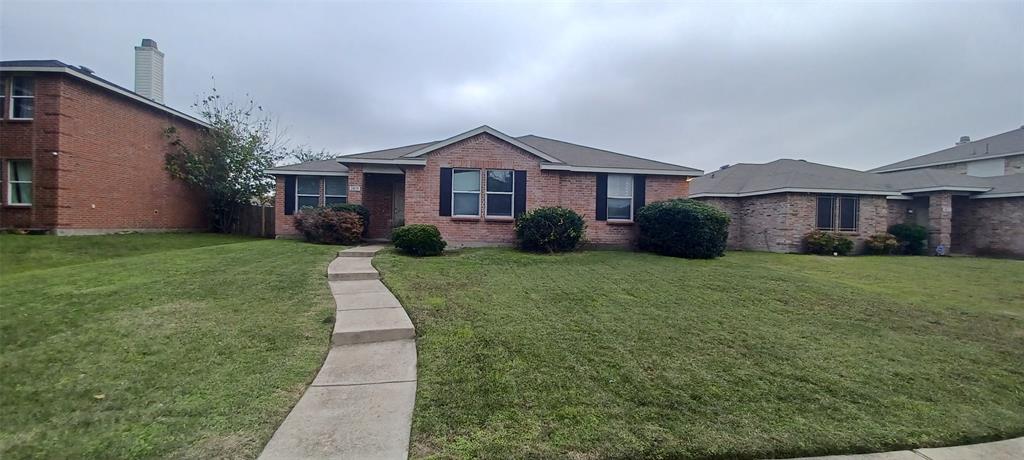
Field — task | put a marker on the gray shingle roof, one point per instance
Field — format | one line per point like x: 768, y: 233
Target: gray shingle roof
x: 795, y: 175
x: 994, y: 146
x: 568, y: 153
x: 331, y: 165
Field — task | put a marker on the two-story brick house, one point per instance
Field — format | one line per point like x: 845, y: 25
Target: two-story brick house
x: 473, y: 185
x: 80, y: 154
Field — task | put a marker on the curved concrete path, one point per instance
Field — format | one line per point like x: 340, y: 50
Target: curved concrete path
x: 1010, y: 449
x: 360, y: 404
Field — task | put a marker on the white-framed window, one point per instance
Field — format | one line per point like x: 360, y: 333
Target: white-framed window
x: 22, y: 105
x: 466, y: 192
x: 19, y: 182
x: 307, y: 192
x: 500, y: 192
x: 3, y: 97
x: 620, y: 197
x: 335, y: 190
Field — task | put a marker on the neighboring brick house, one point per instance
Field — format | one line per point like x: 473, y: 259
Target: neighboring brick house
x: 773, y: 205
x: 79, y: 154
x: 473, y: 185
x: 999, y: 155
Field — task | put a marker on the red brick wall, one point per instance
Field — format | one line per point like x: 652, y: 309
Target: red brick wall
x: 110, y: 168
x: 544, y: 188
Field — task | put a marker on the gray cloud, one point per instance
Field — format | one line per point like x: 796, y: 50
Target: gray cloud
x: 853, y: 84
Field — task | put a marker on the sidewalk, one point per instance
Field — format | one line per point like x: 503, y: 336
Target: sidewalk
x: 1010, y: 449
x: 360, y: 404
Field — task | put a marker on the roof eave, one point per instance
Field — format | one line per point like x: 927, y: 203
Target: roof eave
x: 288, y: 172
x: 109, y: 87
x: 792, y: 190
x: 597, y: 169
x: 886, y: 169
x: 381, y: 161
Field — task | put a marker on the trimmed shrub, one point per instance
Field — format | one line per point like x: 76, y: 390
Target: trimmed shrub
x: 826, y: 244
x: 418, y: 240
x: 359, y: 209
x: 881, y: 244
x: 912, y: 238
x: 329, y: 226
x: 550, y: 230
x: 683, y: 228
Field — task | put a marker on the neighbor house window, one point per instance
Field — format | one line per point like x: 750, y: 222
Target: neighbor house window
x: 466, y: 192
x: 499, y: 192
x: 620, y: 197
x: 307, y: 192
x: 3, y: 97
x: 838, y: 213
x: 19, y: 182
x: 335, y: 190
x: 22, y: 98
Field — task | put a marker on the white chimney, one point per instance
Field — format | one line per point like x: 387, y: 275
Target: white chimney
x: 964, y: 140
x: 149, y: 71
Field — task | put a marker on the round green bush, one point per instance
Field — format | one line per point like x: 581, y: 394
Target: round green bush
x: 881, y: 244
x: 550, y: 230
x: 359, y: 209
x: 329, y: 226
x: 683, y: 228
x: 418, y: 240
x: 827, y: 244
x: 912, y: 237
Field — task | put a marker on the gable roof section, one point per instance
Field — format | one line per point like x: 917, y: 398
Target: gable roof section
x: 998, y: 146
x: 554, y: 155
x: 55, y: 66
x: 312, y: 168
x: 785, y: 175
x: 782, y: 176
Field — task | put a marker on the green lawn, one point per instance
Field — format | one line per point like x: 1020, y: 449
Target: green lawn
x: 624, y: 355
x: 155, y: 345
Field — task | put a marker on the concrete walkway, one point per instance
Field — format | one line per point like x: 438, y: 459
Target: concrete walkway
x: 360, y: 404
x: 1010, y: 449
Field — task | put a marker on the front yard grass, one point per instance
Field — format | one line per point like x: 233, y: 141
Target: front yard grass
x: 624, y: 355
x: 142, y: 346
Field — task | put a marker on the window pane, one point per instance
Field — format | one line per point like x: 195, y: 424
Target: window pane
x: 825, y: 212
x: 499, y: 204
x: 21, y: 193
x: 466, y: 181
x: 20, y: 170
x: 466, y: 204
x: 848, y: 213
x: 336, y: 186
x: 618, y: 208
x: 23, y: 107
x: 22, y: 86
x: 329, y: 200
x: 308, y: 201
x: 499, y: 181
x: 308, y: 185
x: 620, y: 185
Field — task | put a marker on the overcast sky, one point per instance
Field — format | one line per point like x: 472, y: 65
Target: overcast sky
x: 697, y: 84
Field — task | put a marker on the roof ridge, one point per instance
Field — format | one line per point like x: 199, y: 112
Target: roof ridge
x: 384, y: 150
x: 603, y: 150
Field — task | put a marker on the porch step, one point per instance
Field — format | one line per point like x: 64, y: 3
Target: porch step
x: 361, y: 251
x: 351, y: 268
x: 371, y: 325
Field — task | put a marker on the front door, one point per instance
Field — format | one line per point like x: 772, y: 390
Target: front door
x: 398, y: 203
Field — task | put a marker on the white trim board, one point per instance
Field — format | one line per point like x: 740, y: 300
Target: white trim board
x: 997, y: 195
x: 110, y: 87
x: 375, y: 161
x: 595, y: 169
x: 285, y: 172
x: 792, y: 190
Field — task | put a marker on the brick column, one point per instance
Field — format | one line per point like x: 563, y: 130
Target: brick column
x: 356, y: 180
x: 940, y: 220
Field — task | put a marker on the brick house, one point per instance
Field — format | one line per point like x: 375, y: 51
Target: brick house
x: 773, y: 205
x: 80, y: 154
x: 473, y: 185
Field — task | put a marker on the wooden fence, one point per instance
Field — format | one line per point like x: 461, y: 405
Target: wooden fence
x: 255, y: 221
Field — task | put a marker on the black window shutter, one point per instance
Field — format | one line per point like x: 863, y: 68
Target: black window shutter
x: 445, y: 205
x: 602, y: 197
x: 289, y: 195
x: 519, y: 201
x: 639, y: 192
